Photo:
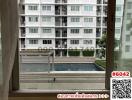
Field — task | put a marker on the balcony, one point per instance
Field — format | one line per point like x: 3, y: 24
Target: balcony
x: 61, y: 43
x: 64, y: 10
x: 60, y: 1
x: 22, y: 1
x: 57, y: 1
x: 99, y: 9
x: 59, y: 21
x: 105, y: 1
x: 22, y: 32
x: 105, y: 21
x: 61, y: 10
x: 98, y: 32
x: 104, y: 24
x: 99, y: 1
x: 98, y: 13
x: 64, y: 34
x: 58, y: 34
x: 22, y: 9
x: 105, y: 10
x: 22, y: 20
x: 64, y: 1
x: 104, y: 31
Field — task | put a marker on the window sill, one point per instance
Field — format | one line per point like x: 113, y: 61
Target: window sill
x: 48, y: 93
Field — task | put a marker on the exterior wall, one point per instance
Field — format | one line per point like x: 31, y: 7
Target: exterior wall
x: 126, y: 22
x: 40, y: 44
x: 119, y: 14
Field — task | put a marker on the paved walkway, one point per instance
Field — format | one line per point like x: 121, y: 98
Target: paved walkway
x: 43, y: 59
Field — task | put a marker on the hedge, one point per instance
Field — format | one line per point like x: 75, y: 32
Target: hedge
x: 88, y: 53
x: 74, y: 53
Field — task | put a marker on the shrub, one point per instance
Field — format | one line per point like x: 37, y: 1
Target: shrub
x: 74, y: 53
x: 88, y: 53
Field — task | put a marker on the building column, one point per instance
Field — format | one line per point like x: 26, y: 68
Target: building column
x: 81, y: 53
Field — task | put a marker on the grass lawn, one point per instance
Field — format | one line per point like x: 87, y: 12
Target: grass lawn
x: 101, y: 63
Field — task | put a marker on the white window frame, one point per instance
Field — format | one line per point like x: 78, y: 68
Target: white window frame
x: 33, y: 7
x: 33, y: 30
x: 75, y: 19
x: 47, y: 41
x: 33, y: 41
x: 74, y: 31
x: 74, y: 42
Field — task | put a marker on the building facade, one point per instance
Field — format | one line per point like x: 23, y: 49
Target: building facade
x: 126, y: 43
x: 63, y: 25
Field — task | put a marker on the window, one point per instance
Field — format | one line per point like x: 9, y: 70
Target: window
x: 33, y: 7
x: 74, y: 41
x: 129, y: 5
x: 88, y: 31
x: 87, y: 41
x: 75, y: 8
x: 60, y: 42
x: 33, y: 19
x: 127, y: 48
x: 74, y: 19
x: 75, y: 31
x: 117, y: 31
x: 46, y: 19
x: 33, y: 30
x: 118, y: 8
x: 127, y: 38
x: 129, y: 16
x: 45, y: 30
x: 88, y: 20
x: 47, y: 41
x: 88, y: 8
x: 46, y: 8
x: 33, y: 41
x: 118, y: 20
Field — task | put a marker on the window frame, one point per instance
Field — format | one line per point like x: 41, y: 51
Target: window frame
x: 14, y: 80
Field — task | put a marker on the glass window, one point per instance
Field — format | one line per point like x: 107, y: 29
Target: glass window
x: 118, y: 8
x: 87, y: 41
x: 128, y: 38
x: 33, y: 30
x: 47, y: 41
x: 88, y: 8
x: 129, y: 15
x: 33, y: 7
x: 46, y: 7
x: 117, y: 31
x: 33, y: 41
x: 88, y: 20
x: 75, y: 8
x: 123, y: 51
x: 45, y: 30
x: 129, y: 5
x: 46, y: 19
x: 74, y: 41
x: 33, y: 19
x: 88, y: 31
x: 127, y: 48
x: 75, y: 19
x: 74, y: 31
x: 118, y: 20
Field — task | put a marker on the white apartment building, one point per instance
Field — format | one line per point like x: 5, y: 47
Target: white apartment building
x: 126, y: 45
x: 65, y: 24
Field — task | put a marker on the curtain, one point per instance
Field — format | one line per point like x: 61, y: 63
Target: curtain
x: 9, y: 37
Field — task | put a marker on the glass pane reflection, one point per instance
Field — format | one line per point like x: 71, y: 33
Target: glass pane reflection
x: 123, y: 44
